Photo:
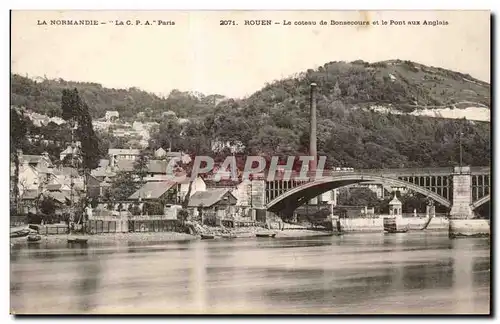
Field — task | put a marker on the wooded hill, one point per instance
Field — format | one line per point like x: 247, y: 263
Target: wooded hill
x: 275, y: 119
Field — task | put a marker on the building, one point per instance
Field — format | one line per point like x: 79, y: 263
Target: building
x: 116, y: 155
x: 160, y: 153
x: 36, y: 161
x: 35, y: 171
x: 68, y: 151
x: 156, y: 169
x: 213, y: 206
x: 97, y: 188
x: 165, y: 192
x: 172, y: 192
x: 219, y: 146
x: 395, y: 207
x: 112, y: 115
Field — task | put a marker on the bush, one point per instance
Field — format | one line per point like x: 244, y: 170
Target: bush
x: 34, y: 218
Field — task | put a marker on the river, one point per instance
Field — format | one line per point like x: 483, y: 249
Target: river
x: 411, y: 273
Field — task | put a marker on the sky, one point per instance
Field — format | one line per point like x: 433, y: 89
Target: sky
x: 198, y: 54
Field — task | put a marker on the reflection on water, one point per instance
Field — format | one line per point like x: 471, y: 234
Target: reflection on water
x: 354, y: 274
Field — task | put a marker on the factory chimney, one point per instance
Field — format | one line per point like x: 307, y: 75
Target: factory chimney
x: 312, y: 136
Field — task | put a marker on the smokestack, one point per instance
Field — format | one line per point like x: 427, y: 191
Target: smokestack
x: 312, y: 136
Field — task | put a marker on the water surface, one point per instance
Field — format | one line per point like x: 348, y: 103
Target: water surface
x: 412, y: 273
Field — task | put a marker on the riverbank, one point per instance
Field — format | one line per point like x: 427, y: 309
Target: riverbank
x: 162, y: 237
x: 110, y: 239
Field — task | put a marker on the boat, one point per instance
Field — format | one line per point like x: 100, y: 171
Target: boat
x: 20, y: 233
x: 265, y: 235
x: 34, y: 238
x: 80, y: 240
x: 396, y: 231
x: 207, y: 236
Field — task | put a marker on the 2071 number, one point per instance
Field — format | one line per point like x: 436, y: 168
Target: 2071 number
x: 227, y: 23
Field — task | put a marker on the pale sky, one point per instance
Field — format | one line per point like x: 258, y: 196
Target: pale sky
x: 197, y: 54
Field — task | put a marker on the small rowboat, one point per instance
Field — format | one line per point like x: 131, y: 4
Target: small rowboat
x: 207, y: 236
x: 34, y: 238
x: 80, y: 240
x: 265, y: 235
x: 397, y: 231
x: 20, y: 233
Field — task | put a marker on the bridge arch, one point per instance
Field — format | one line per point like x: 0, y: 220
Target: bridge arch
x: 297, y: 196
x: 480, y: 202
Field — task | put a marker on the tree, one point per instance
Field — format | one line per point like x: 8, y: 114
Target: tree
x: 76, y: 112
x: 153, y: 208
x: 168, y: 134
x: 123, y: 186
x: 273, y: 141
x: 357, y: 197
x: 48, y: 206
x: 134, y: 209
x: 183, y: 215
x: 188, y: 169
x: 336, y: 90
x: 197, y: 137
x: 17, y: 135
x: 141, y: 166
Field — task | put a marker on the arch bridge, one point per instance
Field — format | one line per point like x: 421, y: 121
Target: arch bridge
x: 462, y: 189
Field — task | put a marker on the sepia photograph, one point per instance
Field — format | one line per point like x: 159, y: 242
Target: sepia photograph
x: 178, y: 162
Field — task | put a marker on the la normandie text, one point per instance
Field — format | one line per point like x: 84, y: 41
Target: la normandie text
x: 82, y: 22
x: 68, y: 22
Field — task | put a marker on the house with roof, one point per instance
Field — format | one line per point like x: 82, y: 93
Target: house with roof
x: 68, y: 152
x: 213, y: 205
x: 116, y: 155
x: 103, y: 170
x: 111, y: 115
x: 172, y: 191
x: 160, y: 153
x: 68, y: 176
x: 157, y: 170
x: 97, y: 188
x: 37, y: 161
x: 165, y: 191
x: 28, y: 179
x: 28, y: 201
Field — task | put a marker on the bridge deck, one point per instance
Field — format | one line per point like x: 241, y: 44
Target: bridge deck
x: 390, y: 173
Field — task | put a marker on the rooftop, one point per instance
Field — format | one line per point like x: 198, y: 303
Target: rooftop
x: 208, y: 198
x: 152, y: 190
x: 124, y: 152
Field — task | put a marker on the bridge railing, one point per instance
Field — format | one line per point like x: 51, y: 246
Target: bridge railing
x: 411, y: 171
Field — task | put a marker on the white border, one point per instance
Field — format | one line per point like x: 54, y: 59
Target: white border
x: 492, y: 5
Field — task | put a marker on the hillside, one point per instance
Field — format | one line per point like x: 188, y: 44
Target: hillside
x: 274, y: 120
x: 403, y: 85
x: 406, y: 86
x: 44, y: 96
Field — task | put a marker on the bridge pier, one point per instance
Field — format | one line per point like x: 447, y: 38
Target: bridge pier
x: 461, y: 214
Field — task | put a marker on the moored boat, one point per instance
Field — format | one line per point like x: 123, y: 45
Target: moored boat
x: 271, y: 235
x: 20, y: 233
x: 396, y: 231
x: 34, y: 238
x: 207, y: 236
x: 80, y: 240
